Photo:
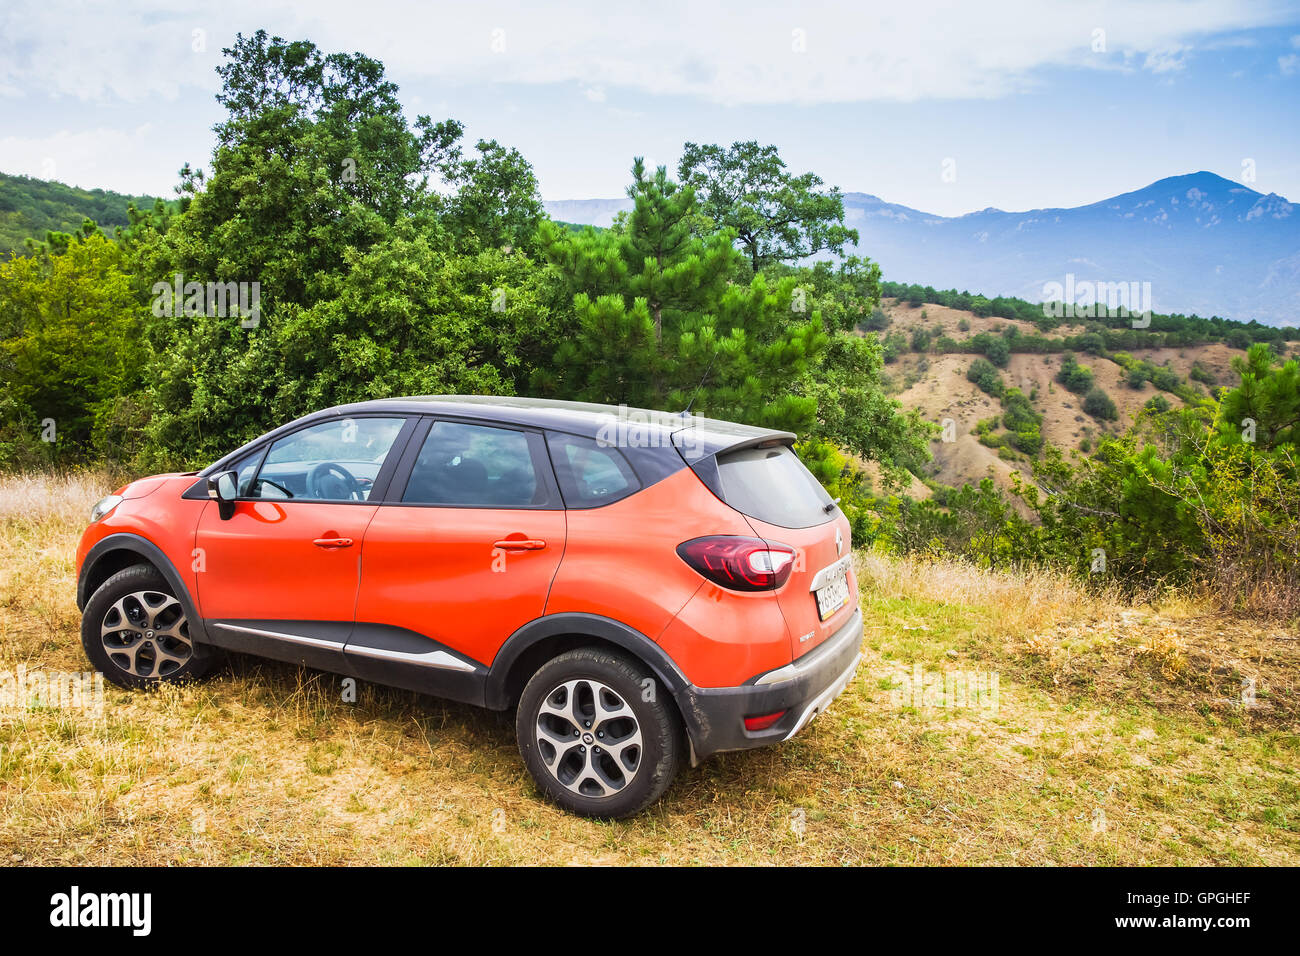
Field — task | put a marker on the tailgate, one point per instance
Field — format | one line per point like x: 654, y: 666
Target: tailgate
x: 819, y: 566
x: 785, y: 504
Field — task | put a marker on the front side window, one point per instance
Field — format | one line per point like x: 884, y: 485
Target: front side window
x: 475, y: 466
x: 333, y: 461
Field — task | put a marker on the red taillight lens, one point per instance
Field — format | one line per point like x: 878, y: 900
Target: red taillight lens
x: 742, y: 564
x: 763, y: 721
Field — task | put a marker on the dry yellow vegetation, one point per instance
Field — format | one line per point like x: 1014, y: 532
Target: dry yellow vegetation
x: 1120, y: 735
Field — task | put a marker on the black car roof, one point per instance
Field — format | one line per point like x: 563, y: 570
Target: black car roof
x: 694, y: 436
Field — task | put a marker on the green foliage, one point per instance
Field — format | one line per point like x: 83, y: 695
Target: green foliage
x: 1269, y: 396
x: 977, y: 521
x: 659, y: 324
x: 774, y: 215
x: 1099, y: 405
x: 31, y: 208
x: 986, y: 377
x: 876, y: 322
x: 1165, y: 379
x: 892, y: 346
x: 1116, y: 331
x: 72, y: 353
x: 371, y: 284
x: 1077, y: 378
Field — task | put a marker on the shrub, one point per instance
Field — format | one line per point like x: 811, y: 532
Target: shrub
x: 1077, y: 378
x: 1165, y: 379
x: 1099, y: 405
x: 997, y: 351
x: 983, y: 373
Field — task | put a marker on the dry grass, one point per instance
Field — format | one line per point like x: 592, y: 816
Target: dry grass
x: 1101, y: 749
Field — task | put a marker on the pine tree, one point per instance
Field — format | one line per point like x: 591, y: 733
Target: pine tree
x: 658, y: 315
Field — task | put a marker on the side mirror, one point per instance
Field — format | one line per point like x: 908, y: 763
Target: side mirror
x: 223, y: 488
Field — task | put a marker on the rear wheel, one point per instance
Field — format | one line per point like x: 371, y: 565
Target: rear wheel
x: 597, y: 734
x: 135, y: 631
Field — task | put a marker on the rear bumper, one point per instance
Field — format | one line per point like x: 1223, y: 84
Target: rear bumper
x: 715, y: 716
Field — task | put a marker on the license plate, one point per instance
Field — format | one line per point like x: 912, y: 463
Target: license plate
x: 833, y: 595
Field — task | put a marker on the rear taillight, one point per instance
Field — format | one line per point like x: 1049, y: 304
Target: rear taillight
x: 763, y: 721
x: 741, y: 564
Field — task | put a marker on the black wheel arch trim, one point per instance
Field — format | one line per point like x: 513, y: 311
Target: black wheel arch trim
x: 152, y: 554
x: 579, y: 624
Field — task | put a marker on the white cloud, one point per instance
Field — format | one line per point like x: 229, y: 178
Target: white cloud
x: 133, y: 161
x: 1166, y: 61
x: 1289, y: 64
x: 739, y: 53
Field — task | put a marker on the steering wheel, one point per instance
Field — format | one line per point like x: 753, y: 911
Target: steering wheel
x: 324, y: 480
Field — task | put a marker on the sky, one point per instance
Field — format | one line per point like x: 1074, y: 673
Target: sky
x: 945, y: 107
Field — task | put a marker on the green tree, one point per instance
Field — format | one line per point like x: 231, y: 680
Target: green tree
x: 657, y: 317
x: 370, y: 283
x: 659, y: 323
x: 72, y: 352
x: 497, y: 202
x: 776, y: 216
x: 1268, y: 396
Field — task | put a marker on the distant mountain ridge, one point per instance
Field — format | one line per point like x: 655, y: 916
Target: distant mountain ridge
x: 1207, y: 245
x: 30, y: 208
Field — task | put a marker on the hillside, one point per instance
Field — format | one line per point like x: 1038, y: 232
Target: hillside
x: 937, y: 386
x: 29, y: 208
x: 1207, y: 245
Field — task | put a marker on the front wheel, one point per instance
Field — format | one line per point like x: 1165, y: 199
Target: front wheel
x: 135, y: 631
x: 597, y: 734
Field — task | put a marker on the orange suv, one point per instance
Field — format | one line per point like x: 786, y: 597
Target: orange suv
x: 642, y: 587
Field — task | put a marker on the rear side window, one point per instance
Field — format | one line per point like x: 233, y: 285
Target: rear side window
x: 476, y: 466
x: 772, y: 485
x: 591, y: 474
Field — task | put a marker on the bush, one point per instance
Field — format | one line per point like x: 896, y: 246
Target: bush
x: 1099, y: 405
x: 1077, y: 378
x: 986, y: 377
x: 1166, y: 379
x: 892, y: 346
x: 875, y: 322
x: 1027, y: 439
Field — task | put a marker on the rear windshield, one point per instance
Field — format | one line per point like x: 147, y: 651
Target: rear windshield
x: 772, y: 485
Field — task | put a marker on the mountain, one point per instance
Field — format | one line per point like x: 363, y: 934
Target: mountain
x: 1205, y: 244
x: 32, y: 207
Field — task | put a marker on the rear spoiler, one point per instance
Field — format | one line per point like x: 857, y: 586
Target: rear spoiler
x: 701, y: 444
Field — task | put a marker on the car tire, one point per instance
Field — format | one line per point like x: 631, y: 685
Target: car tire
x: 592, y: 740
x: 134, y: 630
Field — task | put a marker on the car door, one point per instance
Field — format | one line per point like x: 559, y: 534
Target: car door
x: 283, y: 569
x: 463, y: 551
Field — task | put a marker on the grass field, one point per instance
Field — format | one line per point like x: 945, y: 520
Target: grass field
x: 1120, y: 735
